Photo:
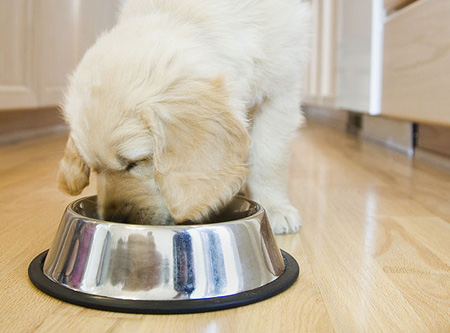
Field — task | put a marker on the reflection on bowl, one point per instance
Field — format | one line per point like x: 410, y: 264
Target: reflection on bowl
x: 235, y: 253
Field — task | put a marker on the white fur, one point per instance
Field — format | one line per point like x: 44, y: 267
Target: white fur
x: 257, y: 48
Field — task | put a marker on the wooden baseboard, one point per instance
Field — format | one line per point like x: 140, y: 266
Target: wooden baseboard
x: 432, y: 142
x: 21, y: 125
x: 395, y: 134
x: 438, y: 160
x: 331, y: 117
x: 434, y: 138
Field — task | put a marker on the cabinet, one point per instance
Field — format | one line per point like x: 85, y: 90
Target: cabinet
x: 320, y: 83
x: 16, y: 62
x: 388, y: 58
x: 41, y: 41
x: 345, y: 68
x: 416, y: 69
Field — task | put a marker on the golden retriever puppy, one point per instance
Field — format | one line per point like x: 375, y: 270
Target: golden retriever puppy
x: 182, y: 103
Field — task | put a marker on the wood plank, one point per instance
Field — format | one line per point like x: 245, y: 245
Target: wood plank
x: 421, y: 274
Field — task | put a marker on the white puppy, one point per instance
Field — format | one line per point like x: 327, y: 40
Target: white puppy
x: 163, y: 106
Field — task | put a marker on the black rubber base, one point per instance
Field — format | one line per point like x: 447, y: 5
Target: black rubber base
x: 284, y: 281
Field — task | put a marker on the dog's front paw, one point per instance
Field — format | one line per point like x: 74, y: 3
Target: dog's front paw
x: 284, y: 219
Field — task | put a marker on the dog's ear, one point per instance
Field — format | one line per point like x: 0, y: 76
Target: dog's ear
x: 200, y: 149
x: 73, y: 175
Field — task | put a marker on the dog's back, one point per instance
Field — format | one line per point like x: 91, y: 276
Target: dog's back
x: 258, y: 42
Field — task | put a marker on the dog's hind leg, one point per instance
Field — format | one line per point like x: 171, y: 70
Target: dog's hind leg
x: 275, y: 122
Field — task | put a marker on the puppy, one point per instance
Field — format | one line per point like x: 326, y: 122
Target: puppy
x: 182, y: 103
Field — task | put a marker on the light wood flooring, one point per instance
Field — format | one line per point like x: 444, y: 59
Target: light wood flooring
x: 374, y: 249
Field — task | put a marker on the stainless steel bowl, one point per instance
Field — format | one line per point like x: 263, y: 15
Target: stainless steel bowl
x: 167, y: 266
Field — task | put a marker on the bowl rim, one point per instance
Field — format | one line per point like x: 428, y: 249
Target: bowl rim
x: 70, y: 209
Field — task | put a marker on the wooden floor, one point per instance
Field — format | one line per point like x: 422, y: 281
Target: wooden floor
x: 374, y: 249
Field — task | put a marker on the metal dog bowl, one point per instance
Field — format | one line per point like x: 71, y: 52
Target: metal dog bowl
x: 232, y: 261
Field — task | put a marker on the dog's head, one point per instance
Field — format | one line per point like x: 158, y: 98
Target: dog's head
x: 178, y: 153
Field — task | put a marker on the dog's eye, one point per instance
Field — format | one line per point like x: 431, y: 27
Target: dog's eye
x: 131, y: 166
